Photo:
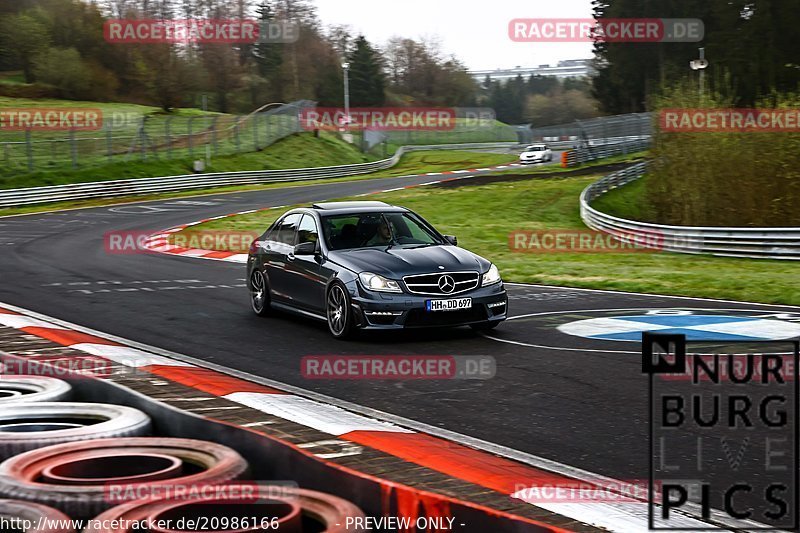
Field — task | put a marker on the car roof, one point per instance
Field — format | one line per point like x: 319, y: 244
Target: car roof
x: 344, y: 208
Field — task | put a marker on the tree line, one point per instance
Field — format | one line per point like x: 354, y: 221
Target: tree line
x: 61, y: 50
x: 60, y: 47
x: 751, y: 46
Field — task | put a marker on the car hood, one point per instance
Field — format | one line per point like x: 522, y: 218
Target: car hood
x: 531, y: 154
x: 398, y: 262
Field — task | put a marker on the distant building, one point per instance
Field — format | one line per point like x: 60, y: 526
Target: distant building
x: 569, y: 68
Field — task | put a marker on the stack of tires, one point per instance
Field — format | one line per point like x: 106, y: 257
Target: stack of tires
x: 100, y: 464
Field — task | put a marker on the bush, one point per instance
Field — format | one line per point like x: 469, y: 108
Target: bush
x: 64, y: 68
x: 723, y: 179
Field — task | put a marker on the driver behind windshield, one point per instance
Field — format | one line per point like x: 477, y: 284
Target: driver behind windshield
x: 383, y: 235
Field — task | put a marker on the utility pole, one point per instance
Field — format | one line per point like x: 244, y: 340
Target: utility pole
x: 208, y: 146
x: 700, y: 64
x: 346, y: 68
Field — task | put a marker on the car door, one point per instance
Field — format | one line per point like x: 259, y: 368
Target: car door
x: 277, y: 247
x: 307, y: 286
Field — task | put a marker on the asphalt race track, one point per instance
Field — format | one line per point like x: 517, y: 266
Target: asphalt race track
x: 568, y: 386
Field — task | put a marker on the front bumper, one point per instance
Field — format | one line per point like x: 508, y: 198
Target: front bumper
x: 531, y: 161
x: 376, y: 310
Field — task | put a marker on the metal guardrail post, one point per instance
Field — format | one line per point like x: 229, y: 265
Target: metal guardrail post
x: 214, y: 137
x: 168, y: 136
x: 73, y: 149
x: 109, y: 144
x: 29, y: 148
x: 191, y: 143
x: 255, y: 132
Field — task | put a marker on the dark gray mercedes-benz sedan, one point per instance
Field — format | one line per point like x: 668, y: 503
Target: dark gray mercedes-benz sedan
x: 370, y: 265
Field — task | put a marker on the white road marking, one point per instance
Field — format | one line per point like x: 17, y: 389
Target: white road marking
x: 592, y: 350
x: 624, y: 293
x: 127, y: 356
x: 606, y: 326
x: 323, y: 417
x: 20, y: 321
x: 238, y: 258
x: 616, y: 517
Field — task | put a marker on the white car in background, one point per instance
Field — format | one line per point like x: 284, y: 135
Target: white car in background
x: 536, y: 153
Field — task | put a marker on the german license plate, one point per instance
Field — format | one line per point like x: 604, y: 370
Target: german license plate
x: 455, y: 304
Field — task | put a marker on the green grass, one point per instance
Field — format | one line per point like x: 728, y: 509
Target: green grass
x: 296, y: 151
x: 12, y: 77
x: 120, y: 141
x: 484, y: 216
x: 6, y: 101
x: 293, y: 152
x: 625, y: 202
x: 442, y: 161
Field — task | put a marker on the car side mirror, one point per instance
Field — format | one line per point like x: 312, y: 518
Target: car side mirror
x: 452, y: 239
x: 306, y: 248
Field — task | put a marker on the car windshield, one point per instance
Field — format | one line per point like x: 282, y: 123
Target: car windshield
x: 364, y: 230
x: 535, y: 148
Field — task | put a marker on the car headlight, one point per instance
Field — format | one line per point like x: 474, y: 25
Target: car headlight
x: 374, y: 282
x: 491, y: 277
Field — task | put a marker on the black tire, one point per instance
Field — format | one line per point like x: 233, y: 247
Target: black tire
x: 65, y: 476
x: 32, y: 425
x: 33, y: 389
x: 484, y: 326
x: 52, y: 521
x: 259, y: 293
x: 341, y: 322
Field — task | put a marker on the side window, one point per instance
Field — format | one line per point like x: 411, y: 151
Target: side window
x: 286, y: 229
x: 272, y: 231
x: 307, y: 231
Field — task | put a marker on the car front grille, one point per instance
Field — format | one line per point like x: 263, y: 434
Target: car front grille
x: 440, y: 283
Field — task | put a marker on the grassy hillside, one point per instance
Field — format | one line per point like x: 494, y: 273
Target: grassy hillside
x: 297, y: 151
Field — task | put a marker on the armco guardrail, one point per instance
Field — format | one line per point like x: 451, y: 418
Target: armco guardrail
x: 767, y: 243
x: 594, y: 150
x: 117, y: 188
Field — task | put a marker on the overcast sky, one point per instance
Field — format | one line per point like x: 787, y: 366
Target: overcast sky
x: 475, y: 31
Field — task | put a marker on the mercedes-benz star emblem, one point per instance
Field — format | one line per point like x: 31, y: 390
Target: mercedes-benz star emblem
x: 447, y: 284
